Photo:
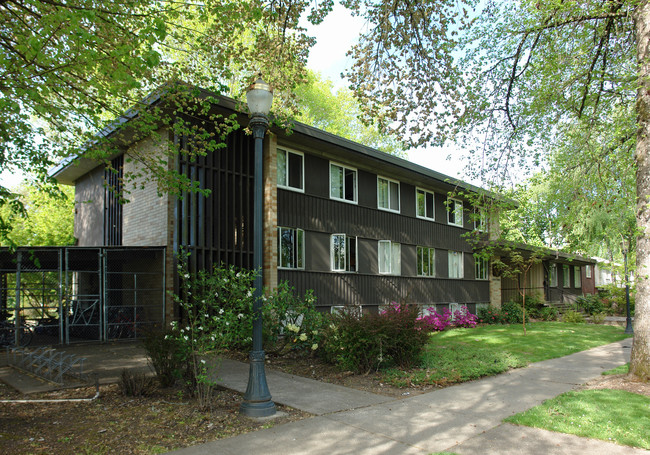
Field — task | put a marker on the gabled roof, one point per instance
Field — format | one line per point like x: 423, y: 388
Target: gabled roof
x: 72, y: 168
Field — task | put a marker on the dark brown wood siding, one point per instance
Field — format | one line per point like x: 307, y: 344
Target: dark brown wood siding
x: 320, y: 217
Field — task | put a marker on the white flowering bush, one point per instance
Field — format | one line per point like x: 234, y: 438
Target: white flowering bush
x: 216, y: 315
x: 291, y: 322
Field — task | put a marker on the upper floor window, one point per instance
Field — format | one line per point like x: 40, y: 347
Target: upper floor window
x: 387, y: 194
x: 343, y: 183
x: 552, y: 275
x: 291, y: 170
x: 291, y: 248
x: 426, y: 261
x: 456, y: 269
x: 566, y: 275
x: 390, y: 261
x: 454, y: 212
x: 425, y: 207
x: 343, y: 251
x: 481, y: 263
x: 480, y: 220
x: 577, y: 279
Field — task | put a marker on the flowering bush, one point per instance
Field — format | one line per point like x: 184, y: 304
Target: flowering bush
x: 291, y: 323
x: 490, y: 315
x: 217, y: 315
x: 438, y: 322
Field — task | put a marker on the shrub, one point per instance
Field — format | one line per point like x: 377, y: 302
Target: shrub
x: 598, y: 318
x: 136, y: 383
x: 436, y: 322
x: 614, y: 300
x: 512, y: 313
x: 370, y: 341
x: 549, y: 314
x: 291, y: 322
x: 590, y: 303
x: 490, y: 315
x: 573, y: 317
x: 165, y: 354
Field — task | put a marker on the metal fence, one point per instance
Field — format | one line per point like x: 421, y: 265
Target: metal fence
x: 76, y: 294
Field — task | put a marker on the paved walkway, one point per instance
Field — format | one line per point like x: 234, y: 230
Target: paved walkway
x: 465, y: 419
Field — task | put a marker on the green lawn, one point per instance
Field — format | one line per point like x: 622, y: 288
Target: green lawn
x: 611, y: 415
x: 464, y: 354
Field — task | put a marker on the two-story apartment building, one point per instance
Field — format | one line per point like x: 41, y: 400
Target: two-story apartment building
x: 356, y: 225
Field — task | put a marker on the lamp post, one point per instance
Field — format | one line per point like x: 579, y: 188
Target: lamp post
x: 628, y: 321
x: 257, y: 399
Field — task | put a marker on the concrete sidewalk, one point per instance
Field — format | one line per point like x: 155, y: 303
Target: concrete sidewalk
x: 464, y: 419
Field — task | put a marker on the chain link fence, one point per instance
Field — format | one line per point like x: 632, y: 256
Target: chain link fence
x: 75, y: 294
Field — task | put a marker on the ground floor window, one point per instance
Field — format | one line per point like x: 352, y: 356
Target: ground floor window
x: 456, y: 264
x: 426, y: 261
x: 390, y: 257
x: 481, y: 265
x: 343, y: 251
x: 291, y: 248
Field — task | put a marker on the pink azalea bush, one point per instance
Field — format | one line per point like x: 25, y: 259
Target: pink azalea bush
x: 437, y: 322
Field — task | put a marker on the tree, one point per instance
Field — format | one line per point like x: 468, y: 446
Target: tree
x: 67, y: 69
x: 525, y: 78
x: 49, y: 220
x: 339, y: 113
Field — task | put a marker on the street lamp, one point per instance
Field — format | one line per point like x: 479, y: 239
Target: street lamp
x: 257, y: 399
x: 628, y: 321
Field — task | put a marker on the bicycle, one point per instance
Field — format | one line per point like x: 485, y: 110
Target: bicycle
x: 8, y: 334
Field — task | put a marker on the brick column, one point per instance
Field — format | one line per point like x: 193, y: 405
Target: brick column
x: 270, y: 246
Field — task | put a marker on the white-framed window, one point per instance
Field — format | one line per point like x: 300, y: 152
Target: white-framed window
x: 566, y: 276
x: 355, y: 310
x: 343, y: 183
x: 577, y: 278
x: 291, y: 169
x: 552, y: 275
x: 387, y: 194
x: 425, y: 204
x: 390, y: 261
x: 587, y: 271
x: 454, y: 212
x: 481, y: 265
x: 456, y: 269
x: 343, y: 251
x: 426, y: 261
x: 291, y: 248
x: 480, y: 219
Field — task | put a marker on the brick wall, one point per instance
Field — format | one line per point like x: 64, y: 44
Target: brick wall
x: 145, y: 220
x: 270, y: 246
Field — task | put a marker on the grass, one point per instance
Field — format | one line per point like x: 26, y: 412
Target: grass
x: 610, y: 415
x: 461, y: 355
x: 623, y: 369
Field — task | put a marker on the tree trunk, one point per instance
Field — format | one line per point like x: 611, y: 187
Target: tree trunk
x: 640, y: 362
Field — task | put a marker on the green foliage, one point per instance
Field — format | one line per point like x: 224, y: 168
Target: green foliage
x: 549, y: 314
x: 291, y: 322
x: 614, y: 300
x: 166, y: 355
x: 590, y: 303
x: 573, y: 317
x: 48, y: 219
x: 217, y: 307
x: 136, y: 383
x: 509, y: 313
x: 339, y: 113
x: 371, y: 341
x: 609, y: 415
x: 598, y: 318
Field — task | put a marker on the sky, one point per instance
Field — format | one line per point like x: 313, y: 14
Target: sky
x: 334, y: 36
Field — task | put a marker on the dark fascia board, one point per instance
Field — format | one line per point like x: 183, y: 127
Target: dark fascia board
x: 74, y: 167
x: 546, y: 254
